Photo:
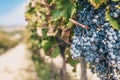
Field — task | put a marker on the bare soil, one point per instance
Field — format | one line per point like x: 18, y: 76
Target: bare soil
x: 16, y: 64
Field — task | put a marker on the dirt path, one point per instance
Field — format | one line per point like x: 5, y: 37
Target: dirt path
x: 16, y: 64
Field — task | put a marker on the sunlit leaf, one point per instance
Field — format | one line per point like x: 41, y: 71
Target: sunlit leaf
x: 55, y: 14
x: 97, y: 3
x: 115, y: 0
x: 115, y: 23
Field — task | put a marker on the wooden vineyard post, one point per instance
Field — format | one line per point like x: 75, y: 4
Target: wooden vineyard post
x: 83, y: 69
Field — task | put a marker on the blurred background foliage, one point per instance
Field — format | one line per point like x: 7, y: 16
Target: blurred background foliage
x: 9, y: 38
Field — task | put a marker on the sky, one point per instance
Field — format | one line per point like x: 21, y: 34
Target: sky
x: 12, y: 12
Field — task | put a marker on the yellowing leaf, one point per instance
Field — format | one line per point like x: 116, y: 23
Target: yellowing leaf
x: 115, y: 0
x: 97, y: 3
x: 115, y: 23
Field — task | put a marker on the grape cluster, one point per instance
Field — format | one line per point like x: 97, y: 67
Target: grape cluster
x: 99, y: 45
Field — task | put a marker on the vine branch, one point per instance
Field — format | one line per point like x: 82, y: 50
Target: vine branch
x: 79, y: 24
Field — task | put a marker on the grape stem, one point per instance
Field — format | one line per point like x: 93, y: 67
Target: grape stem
x: 79, y: 24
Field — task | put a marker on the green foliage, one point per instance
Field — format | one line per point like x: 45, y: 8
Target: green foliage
x: 47, y: 46
x: 44, y: 70
x: 52, y: 16
x: 55, y: 52
x: 115, y: 0
x: 50, y: 47
x: 6, y: 41
x: 69, y: 58
x: 115, y: 23
x: 64, y: 9
x: 47, y: 20
x: 44, y: 32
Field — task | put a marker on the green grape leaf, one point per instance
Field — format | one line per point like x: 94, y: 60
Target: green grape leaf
x: 44, y: 32
x: 47, y: 46
x: 60, y: 1
x: 115, y: 0
x: 31, y: 11
x: 62, y: 10
x: 49, y: 1
x: 55, y: 14
x: 69, y: 25
x: 43, y: 17
x: 55, y: 52
x: 67, y: 11
x: 72, y: 62
x: 114, y: 22
x: 69, y: 58
x: 44, y: 42
x: 50, y: 50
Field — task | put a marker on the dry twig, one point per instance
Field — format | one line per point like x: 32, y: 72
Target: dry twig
x: 79, y: 24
